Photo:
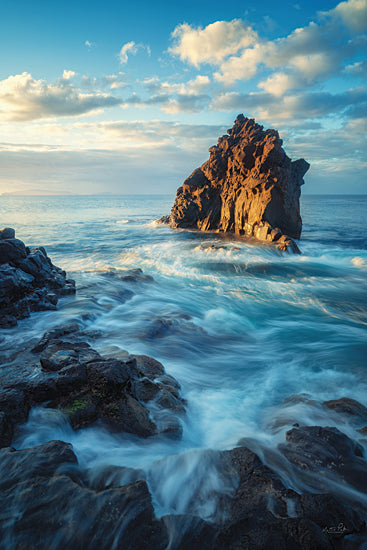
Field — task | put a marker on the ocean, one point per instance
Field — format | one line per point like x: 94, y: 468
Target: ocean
x: 241, y: 326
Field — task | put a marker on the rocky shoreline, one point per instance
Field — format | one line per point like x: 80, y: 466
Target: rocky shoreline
x: 307, y: 493
x: 49, y: 501
x: 28, y: 280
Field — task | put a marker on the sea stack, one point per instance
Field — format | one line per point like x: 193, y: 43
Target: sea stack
x: 249, y: 186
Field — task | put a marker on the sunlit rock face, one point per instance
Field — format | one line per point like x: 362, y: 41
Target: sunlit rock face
x: 248, y: 186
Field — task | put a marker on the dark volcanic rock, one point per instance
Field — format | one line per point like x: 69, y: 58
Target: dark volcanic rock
x: 47, y: 501
x: 349, y: 407
x: 134, y: 395
x: 264, y: 514
x: 328, y: 453
x: 248, y: 186
x: 28, y: 280
x: 44, y: 503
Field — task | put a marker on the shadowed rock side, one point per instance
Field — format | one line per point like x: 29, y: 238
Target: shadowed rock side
x: 248, y: 186
x: 28, y: 280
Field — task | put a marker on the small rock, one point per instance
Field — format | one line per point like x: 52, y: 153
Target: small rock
x: 7, y: 233
x: 347, y: 406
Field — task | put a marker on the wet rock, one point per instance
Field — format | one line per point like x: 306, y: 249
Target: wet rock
x: 145, y: 390
x: 6, y: 430
x: 7, y: 233
x: 349, y: 407
x: 264, y: 513
x: 166, y: 400
x: 88, y: 387
x: 62, y: 354
x: 54, y: 334
x: 327, y: 452
x: 248, y: 186
x: 136, y: 276
x: 149, y: 367
x: 128, y: 415
x: 28, y: 280
x: 14, y: 403
x: 45, y: 503
x: 113, y: 476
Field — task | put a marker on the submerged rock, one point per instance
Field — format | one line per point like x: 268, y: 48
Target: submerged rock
x: 248, y: 186
x: 28, y: 280
x: 349, y: 407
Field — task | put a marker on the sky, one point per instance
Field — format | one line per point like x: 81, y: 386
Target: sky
x: 127, y: 97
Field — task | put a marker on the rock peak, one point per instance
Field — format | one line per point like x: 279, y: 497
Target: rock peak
x: 248, y: 186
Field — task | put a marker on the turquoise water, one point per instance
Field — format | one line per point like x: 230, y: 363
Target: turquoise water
x: 241, y: 326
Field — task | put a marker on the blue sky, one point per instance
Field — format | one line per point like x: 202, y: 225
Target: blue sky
x: 127, y: 97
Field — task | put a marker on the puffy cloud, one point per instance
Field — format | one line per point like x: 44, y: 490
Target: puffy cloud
x: 24, y: 98
x: 242, y: 67
x: 131, y: 48
x: 128, y: 48
x: 67, y: 75
x: 213, y: 43
x: 186, y: 103
x: 279, y: 83
x: 353, y: 13
x: 198, y: 84
x: 308, y: 54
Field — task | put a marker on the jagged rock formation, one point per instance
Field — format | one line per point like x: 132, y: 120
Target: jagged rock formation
x: 248, y: 186
x: 28, y: 280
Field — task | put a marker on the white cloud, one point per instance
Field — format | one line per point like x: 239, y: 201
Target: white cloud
x: 359, y: 68
x: 67, y: 75
x: 213, y: 43
x: 24, y: 98
x: 310, y: 54
x: 128, y: 48
x: 186, y: 103
x: 296, y: 106
x: 353, y: 13
x: 243, y: 67
x: 279, y: 83
x: 114, y: 80
x: 131, y: 48
x: 192, y: 87
x: 197, y: 85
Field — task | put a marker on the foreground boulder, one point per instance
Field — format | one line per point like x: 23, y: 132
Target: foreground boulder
x: 132, y: 394
x: 28, y: 280
x: 248, y: 186
x: 48, y: 501
x: 45, y: 503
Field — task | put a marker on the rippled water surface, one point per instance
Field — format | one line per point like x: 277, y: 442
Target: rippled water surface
x: 239, y: 325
